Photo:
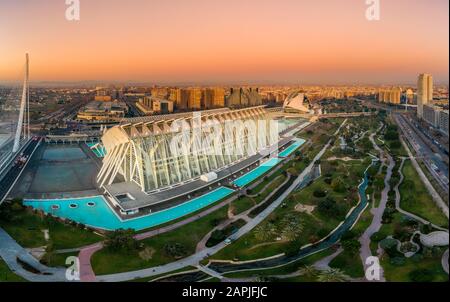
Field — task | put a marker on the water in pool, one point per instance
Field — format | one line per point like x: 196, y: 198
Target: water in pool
x: 94, y: 212
x: 294, y: 146
x: 256, y: 173
x: 98, y: 149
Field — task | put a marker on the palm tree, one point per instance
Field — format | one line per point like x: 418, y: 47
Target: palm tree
x: 291, y: 227
x: 308, y: 271
x: 333, y: 275
x: 264, y: 232
x: 292, y: 230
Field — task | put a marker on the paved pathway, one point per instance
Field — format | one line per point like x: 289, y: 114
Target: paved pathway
x: 86, y: 272
x: 324, y: 263
x: 375, y: 226
x: 10, y: 251
x: 210, y: 272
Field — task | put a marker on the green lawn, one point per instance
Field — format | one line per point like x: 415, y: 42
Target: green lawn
x: 107, y: 262
x: 59, y: 260
x: 396, y: 273
x: 6, y: 275
x: 416, y: 199
x: 349, y: 264
x: 27, y: 229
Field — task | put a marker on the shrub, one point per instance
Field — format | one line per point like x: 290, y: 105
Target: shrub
x: 175, y: 250
x: 377, y: 237
x: 388, y: 244
x: 421, y: 275
x: 330, y: 208
x: 398, y: 261
x: 121, y: 240
x: 338, y: 185
x: 351, y: 246
x: 319, y: 193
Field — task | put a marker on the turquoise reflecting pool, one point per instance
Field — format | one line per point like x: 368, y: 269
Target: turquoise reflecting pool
x: 294, y: 146
x: 256, y: 173
x: 98, y: 149
x: 95, y: 212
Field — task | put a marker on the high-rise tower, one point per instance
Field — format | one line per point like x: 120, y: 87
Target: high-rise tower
x: 424, y: 92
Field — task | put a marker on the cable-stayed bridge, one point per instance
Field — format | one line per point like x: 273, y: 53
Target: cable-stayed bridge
x: 15, y: 137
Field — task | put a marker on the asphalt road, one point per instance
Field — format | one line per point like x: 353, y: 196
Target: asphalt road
x: 424, y: 151
x: 9, y: 178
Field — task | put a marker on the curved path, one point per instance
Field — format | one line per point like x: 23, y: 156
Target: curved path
x: 375, y: 226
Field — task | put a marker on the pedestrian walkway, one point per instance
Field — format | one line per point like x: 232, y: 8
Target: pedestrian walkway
x: 210, y: 272
x: 12, y: 252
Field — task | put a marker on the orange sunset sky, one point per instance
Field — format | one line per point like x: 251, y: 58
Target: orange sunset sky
x: 226, y: 41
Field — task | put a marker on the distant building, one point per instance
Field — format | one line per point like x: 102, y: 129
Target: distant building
x: 409, y: 95
x: 162, y: 106
x: 295, y: 103
x: 244, y: 97
x: 214, y: 98
x: 162, y: 93
x: 175, y: 96
x: 390, y: 96
x: 195, y: 99
x: 145, y: 105
x: 101, y: 111
x: 424, y: 92
x: 103, y: 98
x: 436, y: 117
x: 154, y: 105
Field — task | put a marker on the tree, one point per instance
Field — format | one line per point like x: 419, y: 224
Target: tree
x: 291, y: 227
x: 421, y: 275
x: 351, y: 246
x: 330, y: 208
x: 175, y: 250
x: 308, y: 271
x: 319, y: 193
x: 338, y: 185
x: 121, y: 240
x: 333, y: 275
x: 265, y: 232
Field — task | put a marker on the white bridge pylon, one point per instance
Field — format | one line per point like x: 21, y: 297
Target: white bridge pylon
x: 24, y: 113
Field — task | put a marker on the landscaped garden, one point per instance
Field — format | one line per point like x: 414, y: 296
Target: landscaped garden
x: 307, y: 215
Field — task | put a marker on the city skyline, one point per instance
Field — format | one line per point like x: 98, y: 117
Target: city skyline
x: 307, y: 43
